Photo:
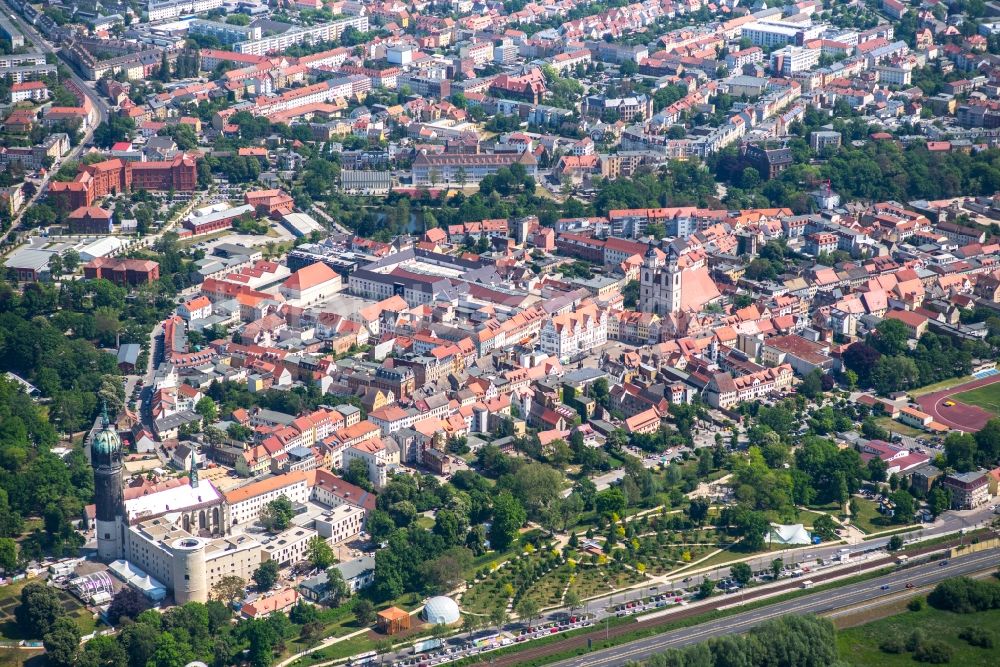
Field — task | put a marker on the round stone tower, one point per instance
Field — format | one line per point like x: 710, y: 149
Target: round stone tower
x: 109, y: 491
x: 189, y: 574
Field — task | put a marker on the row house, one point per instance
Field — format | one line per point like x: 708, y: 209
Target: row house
x: 392, y: 418
x: 725, y: 391
x: 632, y: 327
x: 632, y: 398
x: 349, y: 436
x: 401, y: 381
x: 575, y: 333
x: 497, y: 335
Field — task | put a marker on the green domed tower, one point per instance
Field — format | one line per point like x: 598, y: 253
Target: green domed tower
x: 109, y: 491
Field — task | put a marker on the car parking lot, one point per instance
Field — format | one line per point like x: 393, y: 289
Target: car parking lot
x: 484, y: 643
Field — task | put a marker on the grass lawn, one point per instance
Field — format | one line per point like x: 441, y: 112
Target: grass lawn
x: 893, y: 426
x: 15, y: 657
x: 349, y: 647
x: 859, y: 646
x: 721, y: 558
x: 868, y: 518
x: 938, y: 386
x: 829, y: 507
x: 10, y: 598
x: 806, y: 517
x: 342, y: 626
x: 488, y: 594
x: 590, y: 581
x: 548, y: 591
x: 195, y: 240
x: 987, y: 398
x: 664, y: 552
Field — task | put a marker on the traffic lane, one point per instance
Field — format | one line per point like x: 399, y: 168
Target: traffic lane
x: 813, y: 604
x: 949, y: 523
x: 848, y: 596
x: 43, y: 43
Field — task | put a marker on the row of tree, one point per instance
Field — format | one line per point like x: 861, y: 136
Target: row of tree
x: 885, y: 362
x: 803, y: 641
x: 179, y: 636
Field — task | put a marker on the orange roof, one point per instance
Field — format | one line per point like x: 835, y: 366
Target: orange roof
x: 198, y: 302
x: 642, y: 420
x: 370, y: 446
x: 906, y: 317
x: 28, y: 85
x: 267, y: 605
x: 264, y: 486
x: 310, y: 276
x: 359, y: 430
x: 393, y: 614
x: 389, y: 413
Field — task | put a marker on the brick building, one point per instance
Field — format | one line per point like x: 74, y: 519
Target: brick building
x: 122, y: 272
x: 115, y: 176
x: 90, y: 220
x: 769, y: 162
x: 272, y: 203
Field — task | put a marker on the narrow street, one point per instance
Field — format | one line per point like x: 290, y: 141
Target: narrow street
x: 101, y: 109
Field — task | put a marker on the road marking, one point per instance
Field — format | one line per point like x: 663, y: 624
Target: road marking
x: 924, y: 572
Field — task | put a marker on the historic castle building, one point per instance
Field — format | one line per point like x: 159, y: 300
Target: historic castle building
x: 176, y: 533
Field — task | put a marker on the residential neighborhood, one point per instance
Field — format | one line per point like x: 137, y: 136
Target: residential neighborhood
x: 345, y: 332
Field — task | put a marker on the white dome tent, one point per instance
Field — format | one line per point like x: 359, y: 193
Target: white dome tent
x: 441, y: 610
x: 790, y: 534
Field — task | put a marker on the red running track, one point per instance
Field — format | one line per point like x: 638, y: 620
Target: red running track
x: 968, y: 418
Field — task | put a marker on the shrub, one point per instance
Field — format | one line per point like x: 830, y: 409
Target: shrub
x: 933, y: 651
x: 916, y: 639
x: 977, y: 637
x: 916, y: 604
x: 893, y: 644
x: 964, y: 596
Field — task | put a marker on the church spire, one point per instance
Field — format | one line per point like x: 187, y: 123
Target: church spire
x: 193, y: 478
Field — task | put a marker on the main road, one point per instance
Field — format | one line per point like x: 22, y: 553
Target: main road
x: 101, y: 108
x: 818, y: 603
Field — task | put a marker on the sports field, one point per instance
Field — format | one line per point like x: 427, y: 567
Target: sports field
x: 972, y: 404
x: 987, y: 398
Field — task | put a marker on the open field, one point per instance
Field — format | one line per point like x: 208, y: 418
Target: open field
x: 987, y: 398
x: 868, y: 518
x: 964, y: 415
x: 15, y: 657
x: 893, y: 426
x: 860, y: 646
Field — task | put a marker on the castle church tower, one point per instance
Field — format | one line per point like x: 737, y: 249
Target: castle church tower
x: 671, y: 282
x: 109, y: 491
